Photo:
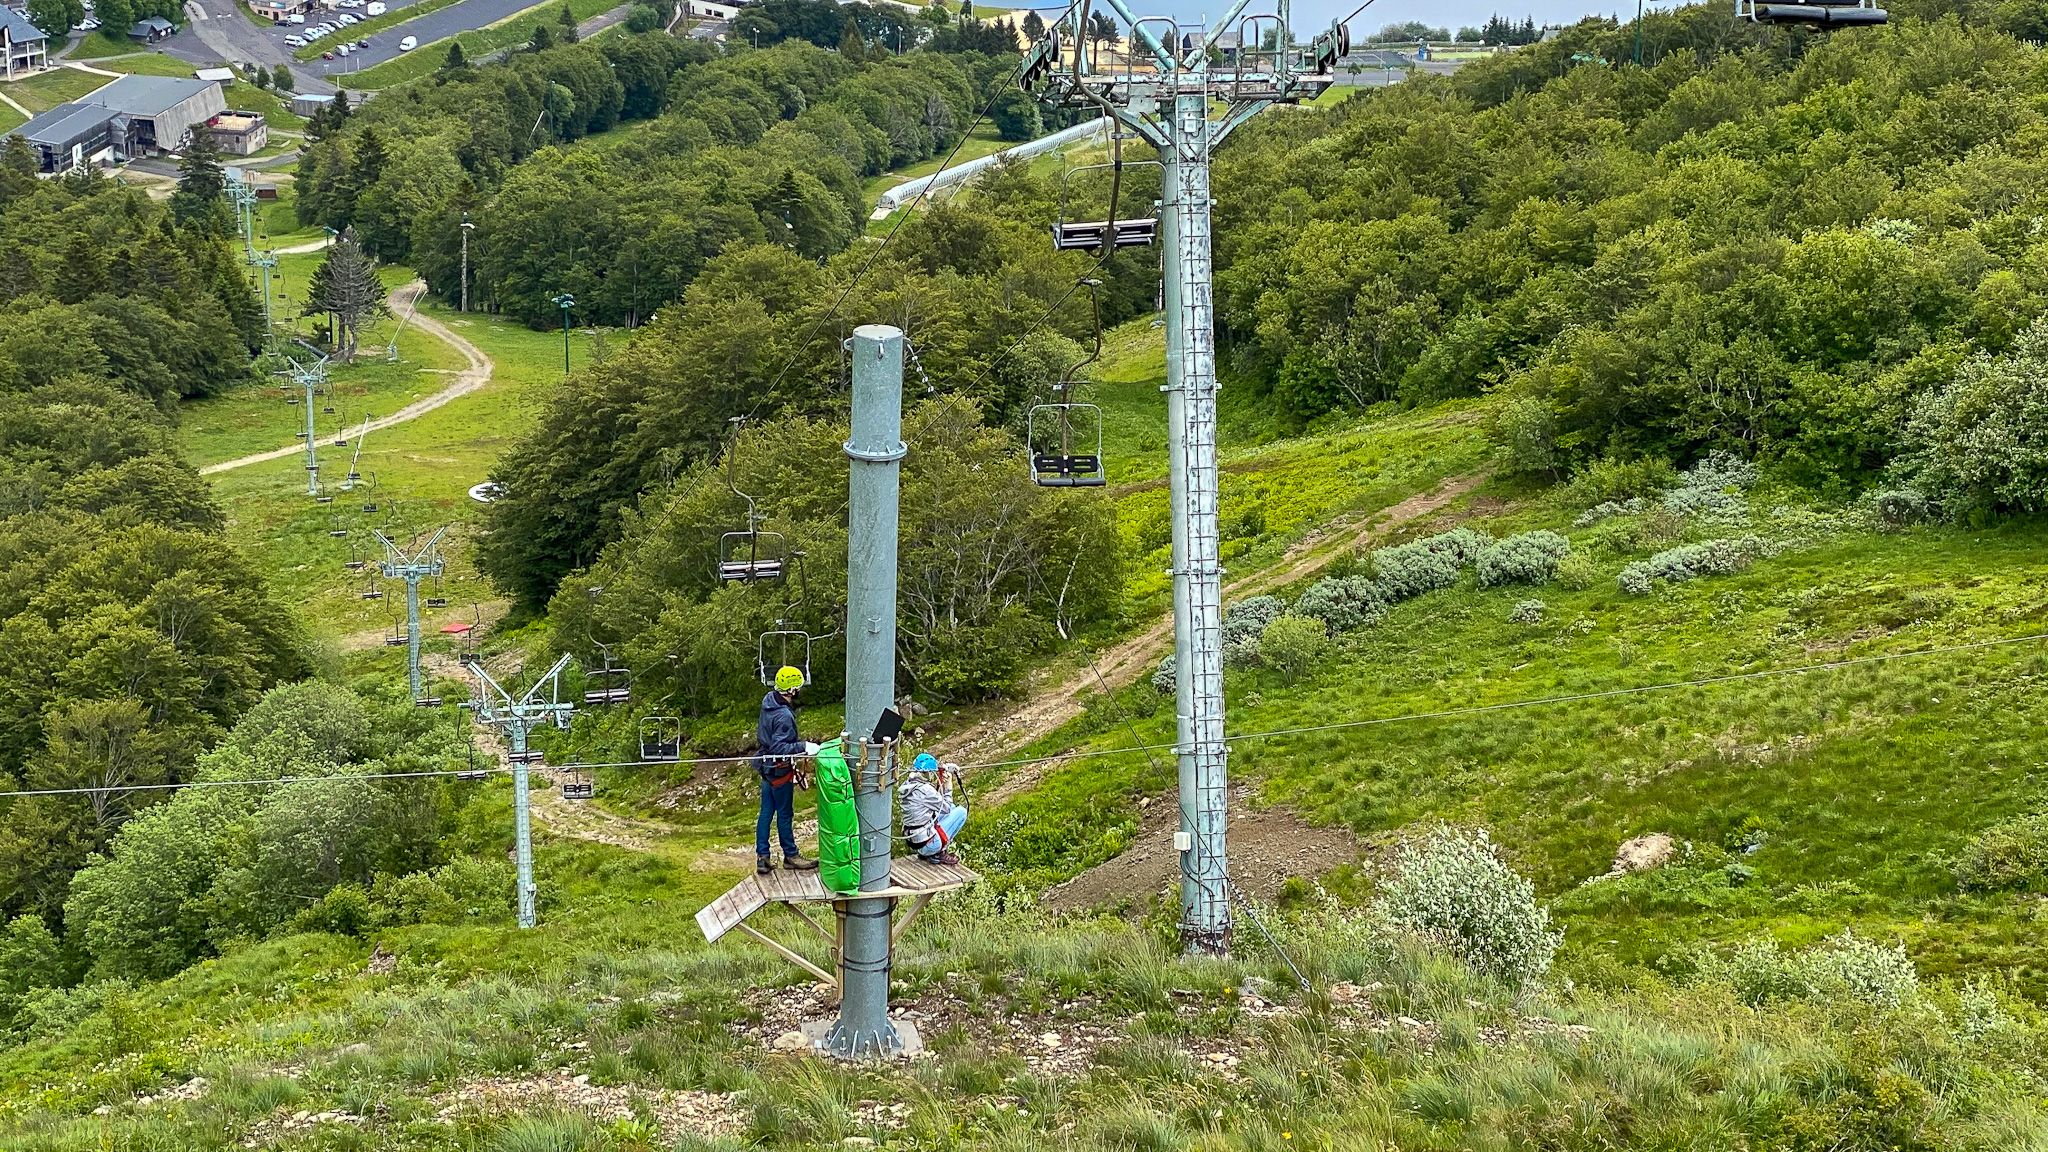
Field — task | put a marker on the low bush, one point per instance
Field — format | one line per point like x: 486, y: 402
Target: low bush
x: 1610, y: 482
x: 1690, y: 562
x: 1343, y: 603
x: 1293, y: 645
x: 1247, y: 619
x: 2011, y: 855
x: 1525, y: 558
x: 1608, y: 510
x: 1844, y: 968
x: 1899, y: 507
x: 1577, y: 571
x: 1408, y: 570
x: 1711, y: 491
x: 1451, y: 886
x: 1527, y: 612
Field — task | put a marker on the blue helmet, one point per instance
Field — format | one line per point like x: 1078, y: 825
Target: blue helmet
x: 925, y: 762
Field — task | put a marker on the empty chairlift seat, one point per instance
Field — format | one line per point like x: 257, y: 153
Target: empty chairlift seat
x: 1090, y: 235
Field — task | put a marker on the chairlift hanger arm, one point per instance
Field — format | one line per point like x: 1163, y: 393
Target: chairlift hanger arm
x: 1168, y: 62
x: 1200, y: 56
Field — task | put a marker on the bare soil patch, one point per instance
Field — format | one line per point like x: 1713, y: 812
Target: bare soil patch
x: 1265, y: 847
x: 677, y: 1113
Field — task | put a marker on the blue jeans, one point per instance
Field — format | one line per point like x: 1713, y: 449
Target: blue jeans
x: 779, y: 803
x: 950, y: 824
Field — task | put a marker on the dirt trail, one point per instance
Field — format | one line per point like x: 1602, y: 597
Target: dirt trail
x: 576, y: 819
x: 492, y: 611
x: 1054, y: 705
x: 476, y: 375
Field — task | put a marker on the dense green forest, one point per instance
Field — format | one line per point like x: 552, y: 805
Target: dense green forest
x: 1775, y: 243
x: 765, y: 146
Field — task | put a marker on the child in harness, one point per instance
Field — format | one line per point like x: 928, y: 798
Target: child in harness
x: 931, y: 821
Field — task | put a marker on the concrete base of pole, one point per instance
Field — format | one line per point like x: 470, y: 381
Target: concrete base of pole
x: 824, y: 1039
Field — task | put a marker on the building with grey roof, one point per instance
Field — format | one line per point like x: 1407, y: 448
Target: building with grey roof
x: 21, y: 46
x: 132, y: 116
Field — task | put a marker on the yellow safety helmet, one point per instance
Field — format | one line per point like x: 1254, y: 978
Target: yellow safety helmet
x: 788, y: 679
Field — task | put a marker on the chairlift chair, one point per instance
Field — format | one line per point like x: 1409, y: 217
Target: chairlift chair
x: 1093, y: 235
x: 337, y: 533
x: 1058, y: 435
x: 327, y: 409
x: 791, y: 649
x: 354, y: 565
x: 613, y: 682
x: 427, y: 702
x: 374, y: 594
x: 661, y: 738
x: 473, y: 774
x: 750, y: 556
x: 530, y: 756
x: 328, y: 500
x: 1826, y: 13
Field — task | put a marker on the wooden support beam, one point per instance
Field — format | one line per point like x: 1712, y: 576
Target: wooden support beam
x: 814, y: 925
x: 917, y: 904
x: 792, y: 957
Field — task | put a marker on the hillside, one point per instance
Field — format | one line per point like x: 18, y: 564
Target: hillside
x: 1635, y: 600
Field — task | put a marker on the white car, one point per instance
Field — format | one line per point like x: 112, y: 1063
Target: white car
x: 408, y: 44
x: 295, y: 18
x: 347, y: 19
x: 343, y: 50
x: 375, y: 8
x: 295, y: 41
x: 89, y: 25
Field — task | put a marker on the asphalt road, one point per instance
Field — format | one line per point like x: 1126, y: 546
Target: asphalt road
x: 429, y: 28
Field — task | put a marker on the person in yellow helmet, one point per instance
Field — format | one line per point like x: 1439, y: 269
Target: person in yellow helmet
x: 777, y: 766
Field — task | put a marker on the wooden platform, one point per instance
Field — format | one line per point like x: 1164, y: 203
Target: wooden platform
x: 909, y: 877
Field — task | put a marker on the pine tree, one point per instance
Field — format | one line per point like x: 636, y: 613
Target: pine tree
x: 345, y: 286
x: 18, y: 167
x: 542, y: 39
x: 1034, y: 26
x: 281, y: 78
x: 850, y: 45
x: 568, y: 22
x: 457, y: 61
x: 966, y: 9
x: 262, y: 79
x: 83, y: 272
x: 201, y: 182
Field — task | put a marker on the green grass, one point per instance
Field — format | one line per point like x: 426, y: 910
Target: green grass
x: 476, y: 43
x: 46, y: 90
x: 10, y: 119
x: 102, y: 43
x: 372, y: 25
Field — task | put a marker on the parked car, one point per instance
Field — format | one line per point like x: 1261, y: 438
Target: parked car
x: 343, y: 50
x: 375, y: 8
x: 347, y: 19
x: 89, y: 25
x: 295, y: 18
x: 295, y: 41
x: 408, y: 44
x: 362, y: 44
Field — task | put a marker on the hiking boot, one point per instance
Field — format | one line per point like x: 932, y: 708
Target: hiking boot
x: 763, y: 866
x: 796, y: 863
x: 945, y: 858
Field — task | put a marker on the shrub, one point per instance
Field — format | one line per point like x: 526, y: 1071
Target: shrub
x: 1293, y: 644
x: 481, y: 888
x: 1527, y: 612
x: 1461, y: 544
x: 1981, y: 441
x: 1690, y: 562
x: 1577, y: 571
x: 1451, y: 886
x: 1408, y: 570
x: 1526, y: 558
x: 344, y: 911
x: 1525, y: 427
x: 1247, y: 619
x: 1711, y: 490
x: 1343, y: 603
x: 2012, y: 854
x: 1613, y: 482
x: 1843, y: 968
x: 1162, y: 678
x: 413, y: 899
x: 1898, y: 507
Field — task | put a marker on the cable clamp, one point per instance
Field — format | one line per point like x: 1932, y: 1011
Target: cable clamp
x: 885, y: 456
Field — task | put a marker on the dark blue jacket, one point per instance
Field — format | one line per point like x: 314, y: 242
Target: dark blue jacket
x: 776, y: 733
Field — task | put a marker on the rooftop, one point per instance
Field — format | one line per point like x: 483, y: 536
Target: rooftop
x: 18, y: 27
x: 66, y: 122
x: 154, y: 23
x: 216, y: 75
x: 147, y: 95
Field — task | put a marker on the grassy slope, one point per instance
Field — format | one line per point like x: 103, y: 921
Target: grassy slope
x: 477, y: 43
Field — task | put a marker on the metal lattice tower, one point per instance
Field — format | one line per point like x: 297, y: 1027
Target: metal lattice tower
x: 422, y: 563
x: 309, y: 377
x: 243, y: 194
x: 1168, y: 92
x: 515, y: 717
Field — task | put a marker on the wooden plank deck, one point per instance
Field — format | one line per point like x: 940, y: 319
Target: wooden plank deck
x: 908, y: 876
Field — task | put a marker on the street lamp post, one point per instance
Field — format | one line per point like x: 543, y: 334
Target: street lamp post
x: 565, y: 302
x: 466, y: 226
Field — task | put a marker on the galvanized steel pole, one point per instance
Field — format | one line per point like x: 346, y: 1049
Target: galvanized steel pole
x: 412, y: 630
x: 522, y: 823
x: 1197, y: 567
x: 875, y: 451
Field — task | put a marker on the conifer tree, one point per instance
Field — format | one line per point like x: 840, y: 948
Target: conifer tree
x: 542, y: 39
x: 345, y: 287
x: 567, y: 20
